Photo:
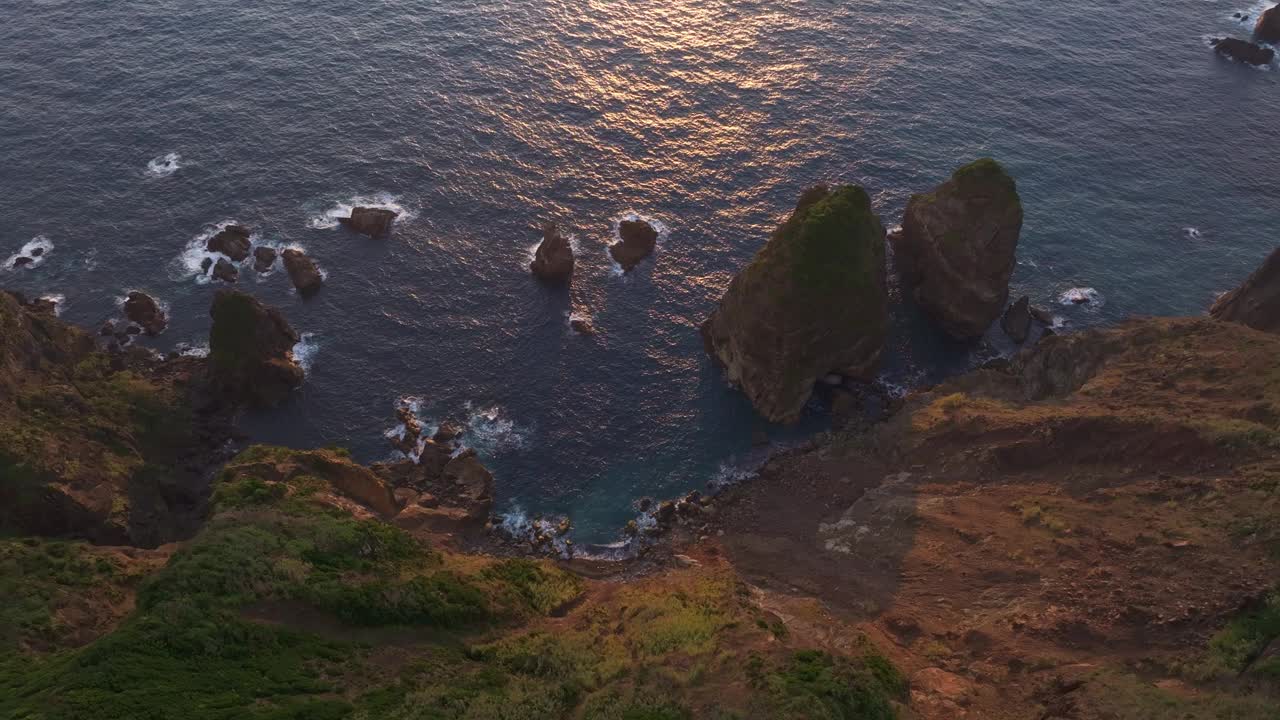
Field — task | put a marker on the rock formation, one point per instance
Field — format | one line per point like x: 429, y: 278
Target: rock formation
x: 957, y: 247
x: 1016, y: 322
x: 1256, y: 302
x: 232, y: 241
x: 1268, y: 27
x: 553, y: 261
x: 303, y: 272
x: 374, y: 222
x: 263, y: 258
x: 1243, y: 51
x: 639, y: 238
x: 225, y: 271
x: 811, y: 302
x: 251, y: 351
x: 142, y: 309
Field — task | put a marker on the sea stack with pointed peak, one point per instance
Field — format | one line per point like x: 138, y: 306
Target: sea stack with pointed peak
x: 553, y: 260
x: 956, y: 248
x: 812, y: 302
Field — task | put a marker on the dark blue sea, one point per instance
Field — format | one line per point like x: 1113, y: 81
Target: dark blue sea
x: 1147, y: 166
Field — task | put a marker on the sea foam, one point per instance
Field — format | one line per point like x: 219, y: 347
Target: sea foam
x: 164, y: 165
x: 328, y: 219
x: 41, y: 243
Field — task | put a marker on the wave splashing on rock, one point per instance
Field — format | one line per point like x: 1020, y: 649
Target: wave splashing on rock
x: 31, y: 255
x: 164, y: 165
x: 329, y: 219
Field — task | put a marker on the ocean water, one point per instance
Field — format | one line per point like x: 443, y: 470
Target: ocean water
x: 128, y: 131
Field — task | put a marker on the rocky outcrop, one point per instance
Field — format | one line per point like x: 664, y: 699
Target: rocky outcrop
x: 1268, y: 27
x: 638, y: 239
x: 374, y: 222
x: 956, y: 249
x: 469, y: 486
x: 264, y: 258
x: 1016, y: 322
x: 1243, y: 51
x: 232, y: 241
x: 142, y: 309
x: 251, y: 351
x: 225, y: 271
x: 303, y: 272
x: 811, y: 302
x: 1255, y: 303
x: 553, y: 261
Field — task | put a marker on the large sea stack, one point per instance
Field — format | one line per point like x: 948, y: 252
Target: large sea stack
x: 251, y: 351
x: 374, y: 222
x: 553, y: 261
x: 957, y: 245
x: 811, y: 302
x: 1268, y: 28
x: 1255, y: 303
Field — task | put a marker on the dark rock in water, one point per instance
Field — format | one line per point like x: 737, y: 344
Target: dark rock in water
x: 251, y: 351
x: 374, y: 222
x: 1243, y: 51
x: 142, y: 309
x: 471, y: 486
x: 407, y: 443
x: 957, y: 247
x: 108, y: 329
x: 205, y: 264
x: 1268, y: 27
x: 811, y: 302
x: 1016, y: 322
x: 232, y: 241
x: 553, y: 261
x: 133, y: 330
x: 19, y: 262
x: 448, y: 432
x: 1040, y: 315
x: 263, y: 258
x: 303, y: 272
x: 37, y: 252
x: 639, y: 238
x: 582, y: 326
x: 1256, y: 302
x: 225, y: 271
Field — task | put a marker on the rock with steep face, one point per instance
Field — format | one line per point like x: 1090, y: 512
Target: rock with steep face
x: 957, y: 247
x: 1255, y: 303
x: 1268, y: 27
x: 553, y: 261
x: 263, y: 258
x: 251, y: 351
x: 232, y: 241
x: 1243, y: 51
x: 225, y: 271
x: 811, y: 302
x: 142, y: 309
x: 639, y: 238
x: 470, y: 485
x: 303, y: 272
x: 374, y: 222
x: 1016, y: 322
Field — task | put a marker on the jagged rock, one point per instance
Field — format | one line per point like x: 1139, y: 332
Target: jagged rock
x: 957, y: 247
x: 251, y: 351
x: 553, y: 261
x: 374, y: 222
x: 1016, y: 322
x: 448, y: 432
x: 21, y: 261
x: 225, y: 271
x: 639, y: 238
x: 142, y: 309
x: 232, y: 241
x: 471, y: 484
x: 263, y: 258
x: 1243, y: 51
x: 1058, y: 365
x: 133, y: 330
x: 1268, y: 27
x: 205, y: 264
x: 303, y: 272
x: 811, y: 302
x: 1256, y: 302
x: 44, y: 305
x: 1040, y: 315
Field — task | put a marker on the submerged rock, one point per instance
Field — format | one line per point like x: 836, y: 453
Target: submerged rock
x: 303, y: 272
x: 263, y: 258
x: 142, y: 309
x: 232, y: 241
x: 957, y: 247
x: 21, y: 261
x: 225, y: 271
x: 553, y: 261
x: 1243, y: 51
x: 639, y: 238
x: 1016, y: 322
x: 1268, y: 27
x: 811, y: 302
x: 1256, y: 302
x: 251, y: 351
x: 374, y: 222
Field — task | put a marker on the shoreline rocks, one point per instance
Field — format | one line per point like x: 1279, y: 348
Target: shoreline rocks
x: 374, y: 222
x: 1256, y: 303
x: 956, y: 249
x: 553, y: 260
x: 1243, y: 51
x: 1016, y: 322
x: 251, y: 351
x: 303, y: 272
x: 264, y: 258
x: 225, y: 271
x: 638, y: 240
x: 142, y: 309
x: 232, y: 241
x: 813, y: 301
x: 1268, y: 27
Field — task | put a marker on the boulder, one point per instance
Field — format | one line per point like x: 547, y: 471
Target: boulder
x: 1016, y: 322
x: 1040, y: 315
x: 22, y: 261
x: 303, y: 272
x: 956, y: 249
x: 1255, y: 303
x: 263, y: 258
x: 811, y: 302
x: 470, y: 485
x: 142, y: 309
x: 374, y: 222
x: 232, y: 241
x: 251, y: 351
x: 553, y: 261
x: 225, y: 271
x: 1268, y: 27
x: 1243, y: 51
x: 638, y: 239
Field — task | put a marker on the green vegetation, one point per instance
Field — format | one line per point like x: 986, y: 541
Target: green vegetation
x: 815, y: 684
x: 1237, y: 647
x: 836, y: 245
x: 36, y: 577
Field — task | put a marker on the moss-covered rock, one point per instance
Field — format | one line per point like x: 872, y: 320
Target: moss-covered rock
x: 811, y: 302
x: 956, y: 249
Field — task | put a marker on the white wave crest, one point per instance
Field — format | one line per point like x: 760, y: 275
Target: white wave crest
x: 59, y: 302
x: 1192, y: 233
x: 304, y: 353
x: 195, y: 252
x: 489, y: 430
x: 1081, y: 296
x: 195, y: 350
x: 516, y: 523
x: 164, y: 165
x: 328, y: 219
x: 36, y: 250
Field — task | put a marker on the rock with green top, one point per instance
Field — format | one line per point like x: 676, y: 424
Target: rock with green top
x: 811, y: 302
x: 251, y: 351
x: 956, y: 248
